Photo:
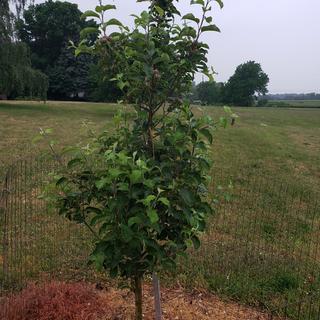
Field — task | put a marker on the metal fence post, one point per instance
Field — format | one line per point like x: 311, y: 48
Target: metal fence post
x: 157, y: 296
x: 4, y: 241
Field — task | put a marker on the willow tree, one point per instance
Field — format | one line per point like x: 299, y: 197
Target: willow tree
x: 17, y: 78
x: 142, y: 189
x: 7, y: 17
x: 16, y: 75
x: 5, y: 22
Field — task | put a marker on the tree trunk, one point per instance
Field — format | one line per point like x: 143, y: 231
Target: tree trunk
x: 150, y: 133
x: 138, y: 297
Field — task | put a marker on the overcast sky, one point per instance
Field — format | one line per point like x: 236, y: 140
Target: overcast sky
x: 283, y: 35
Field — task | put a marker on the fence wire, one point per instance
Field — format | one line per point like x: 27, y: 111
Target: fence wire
x: 262, y: 246
x: 35, y: 242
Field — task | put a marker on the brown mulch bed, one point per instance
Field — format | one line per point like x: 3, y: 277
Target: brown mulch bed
x: 80, y: 301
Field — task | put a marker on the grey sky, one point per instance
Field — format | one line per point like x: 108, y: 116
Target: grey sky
x: 283, y: 35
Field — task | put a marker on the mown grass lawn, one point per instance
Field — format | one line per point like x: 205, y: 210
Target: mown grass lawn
x: 264, y: 246
x: 20, y: 122
x: 282, y: 142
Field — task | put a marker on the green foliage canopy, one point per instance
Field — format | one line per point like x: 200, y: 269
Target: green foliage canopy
x: 101, y: 89
x: 209, y: 92
x: 248, y: 80
x: 69, y: 75
x: 5, y: 22
x: 16, y: 75
x: 47, y: 29
x: 7, y: 18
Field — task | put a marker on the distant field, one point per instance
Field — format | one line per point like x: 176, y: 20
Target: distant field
x: 296, y: 103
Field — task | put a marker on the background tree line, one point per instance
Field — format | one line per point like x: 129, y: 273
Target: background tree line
x: 43, y: 61
x: 35, y: 54
x: 294, y: 96
x: 243, y: 88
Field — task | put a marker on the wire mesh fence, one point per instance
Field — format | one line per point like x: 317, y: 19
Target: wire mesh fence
x: 35, y: 242
x: 262, y: 246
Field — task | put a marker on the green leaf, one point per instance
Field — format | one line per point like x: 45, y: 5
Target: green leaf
x: 89, y: 13
x: 159, y: 10
x: 188, y: 31
x: 101, y: 183
x: 126, y: 233
x: 84, y: 32
x: 165, y: 201
x: 123, y: 186
x: 189, y: 243
x: 223, y: 122
x: 207, y: 134
x: 37, y: 139
x: 149, y: 183
x: 148, y: 199
x: 191, y: 17
x: 165, y: 57
x: 211, y: 27
x: 61, y: 181
x: 74, y: 162
x: 227, y: 109
x: 122, y: 84
x: 187, y: 196
x: 113, y: 22
x: 48, y: 131
x: 52, y: 143
x: 220, y: 2
x: 105, y: 7
x: 93, y: 209
x: 97, y: 258
x: 196, y: 242
x: 136, y: 176
x: 77, y: 52
x: 96, y: 219
x: 153, y: 215
x: 114, y: 173
x: 201, y: 2
x: 201, y: 225
x: 134, y: 220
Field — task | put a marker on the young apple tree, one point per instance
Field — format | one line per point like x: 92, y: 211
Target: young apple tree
x: 142, y: 188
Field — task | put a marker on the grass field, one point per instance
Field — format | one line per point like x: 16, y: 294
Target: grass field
x: 264, y: 245
x: 283, y: 143
x: 20, y: 123
x: 296, y: 103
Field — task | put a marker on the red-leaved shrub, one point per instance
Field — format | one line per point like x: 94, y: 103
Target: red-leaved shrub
x: 54, y: 301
